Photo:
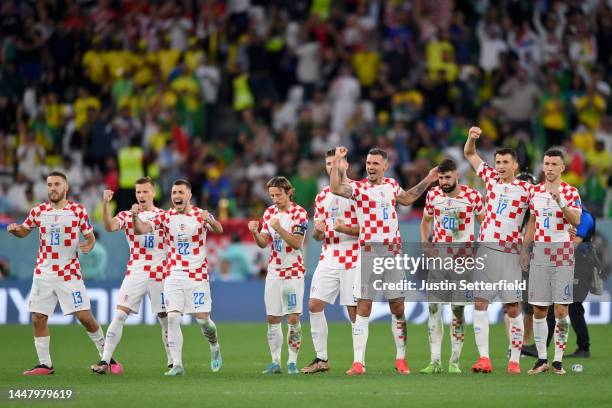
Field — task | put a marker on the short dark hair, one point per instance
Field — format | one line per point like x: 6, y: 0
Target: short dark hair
x: 554, y: 153
x: 145, y: 180
x: 58, y: 174
x: 330, y: 153
x: 377, y: 151
x: 447, y: 165
x: 506, y: 150
x: 182, y: 182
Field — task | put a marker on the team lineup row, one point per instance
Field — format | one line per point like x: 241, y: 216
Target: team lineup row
x: 168, y: 259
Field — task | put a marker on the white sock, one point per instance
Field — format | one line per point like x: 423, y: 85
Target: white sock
x: 275, y: 341
x: 98, y: 339
x: 113, y: 335
x: 209, y: 330
x: 560, y: 337
x: 294, y: 341
x: 42, y: 350
x: 163, y: 321
x: 398, y: 328
x: 436, y: 327
x: 481, y: 332
x: 360, y: 338
x: 540, y: 332
x: 318, y: 330
x: 175, y: 338
x: 457, y: 333
x: 517, y: 333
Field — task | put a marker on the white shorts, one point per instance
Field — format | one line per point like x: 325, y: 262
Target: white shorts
x: 327, y: 283
x: 284, y: 296
x: 500, y: 266
x: 366, y: 283
x: 456, y: 297
x: 135, y: 287
x: 45, y: 294
x: 551, y: 284
x: 187, y: 296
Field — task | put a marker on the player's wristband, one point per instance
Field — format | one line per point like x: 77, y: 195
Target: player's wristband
x: 562, y: 202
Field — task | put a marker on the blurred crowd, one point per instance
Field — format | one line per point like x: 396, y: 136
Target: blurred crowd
x: 230, y: 93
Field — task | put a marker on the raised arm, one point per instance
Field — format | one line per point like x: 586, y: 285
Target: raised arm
x: 337, y: 184
x: 408, y: 197
x: 110, y: 223
x: 18, y: 230
x: 469, y: 150
x: 261, y: 240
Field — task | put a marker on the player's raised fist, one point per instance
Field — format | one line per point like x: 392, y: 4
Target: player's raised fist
x: 135, y: 210
x: 275, y: 223
x: 108, y: 195
x: 341, y: 152
x: 320, y: 225
x: 206, y: 216
x: 254, y: 226
x: 474, y: 132
x: 12, y: 227
x: 339, y: 224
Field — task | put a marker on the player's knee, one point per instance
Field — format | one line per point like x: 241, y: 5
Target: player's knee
x: 316, y: 306
x: 39, y: 319
x: 540, y: 312
x: 293, y: 319
x: 513, y: 310
x: 561, y: 311
x: 397, y: 308
x: 87, y: 320
x: 162, y: 315
x: 364, y: 308
x: 457, y: 312
x: 274, y: 319
x: 481, y: 305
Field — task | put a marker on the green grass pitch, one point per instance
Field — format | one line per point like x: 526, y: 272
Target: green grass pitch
x: 245, y: 354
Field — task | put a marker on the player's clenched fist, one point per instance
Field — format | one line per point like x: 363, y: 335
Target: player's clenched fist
x: 320, y: 225
x: 341, y: 152
x: 108, y: 196
x: 254, y: 226
x: 339, y: 224
x: 135, y: 209
x: 474, y: 132
x: 12, y: 227
x: 275, y: 223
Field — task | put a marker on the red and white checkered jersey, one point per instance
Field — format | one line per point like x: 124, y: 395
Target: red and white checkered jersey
x: 505, y: 208
x: 551, y: 227
x: 453, y: 216
x: 186, y: 238
x: 285, y: 262
x: 376, y: 212
x: 340, y: 251
x: 59, y: 239
x: 147, y: 252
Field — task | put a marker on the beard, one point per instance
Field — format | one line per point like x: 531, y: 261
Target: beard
x: 56, y: 197
x: 448, y: 189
